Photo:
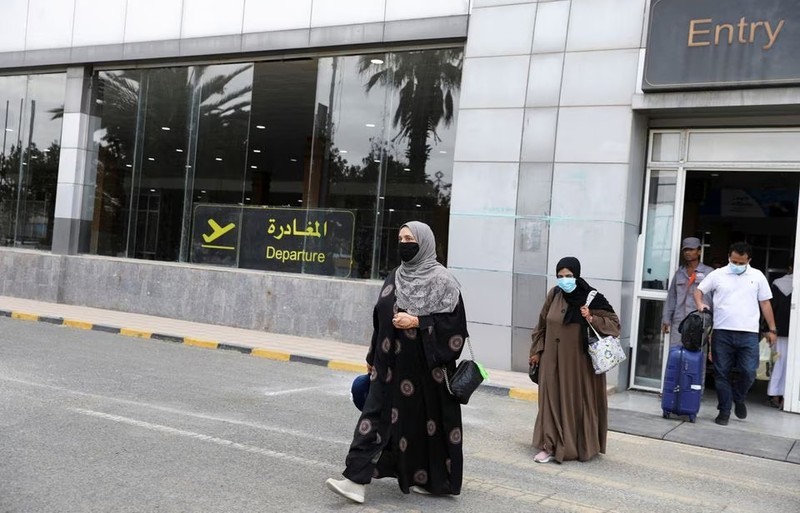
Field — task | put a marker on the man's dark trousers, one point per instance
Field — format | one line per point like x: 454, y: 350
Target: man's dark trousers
x: 733, y: 350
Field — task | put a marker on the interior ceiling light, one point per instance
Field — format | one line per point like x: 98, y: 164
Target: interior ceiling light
x: 256, y: 151
x: 253, y: 167
x: 179, y: 150
x: 419, y: 206
x: 165, y: 128
x: 218, y: 159
x: 128, y: 165
x: 152, y: 190
x: 260, y: 127
x: 9, y: 129
x: 370, y: 125
x: 406, y: 169
x: 442, y: 151
x: 151, y: 159
x: 376, y: 61
x: 342, y: 151
x: 293, y: 160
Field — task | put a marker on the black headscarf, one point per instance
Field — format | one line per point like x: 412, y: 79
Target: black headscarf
x: 577, y: 298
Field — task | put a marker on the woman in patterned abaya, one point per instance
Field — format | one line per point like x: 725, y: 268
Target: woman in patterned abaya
x: 572, y: 423
x: 410, y: 428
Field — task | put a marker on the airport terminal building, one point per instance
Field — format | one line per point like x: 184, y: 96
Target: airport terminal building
x: 249, y: 162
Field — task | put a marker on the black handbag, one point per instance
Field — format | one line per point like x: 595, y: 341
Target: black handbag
x: 466, y: 379
x: 533, y: 373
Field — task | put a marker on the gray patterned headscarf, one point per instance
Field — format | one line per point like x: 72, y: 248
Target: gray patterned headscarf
x: 424, y: 286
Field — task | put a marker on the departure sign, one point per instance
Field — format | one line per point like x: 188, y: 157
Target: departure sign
x: 310, y: 241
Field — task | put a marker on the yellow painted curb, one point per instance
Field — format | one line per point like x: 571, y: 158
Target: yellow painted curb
x: 347, y: 366
x: 524, y: 394
x: 78, y: 324
x: 196, y: 342
x: 24, y: 316
x: 134, y: 333
x: 272, y: 355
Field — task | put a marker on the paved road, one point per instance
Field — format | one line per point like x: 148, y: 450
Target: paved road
x: 91, y: 421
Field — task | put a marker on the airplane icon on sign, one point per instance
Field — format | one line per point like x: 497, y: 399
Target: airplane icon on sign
x: 218, y: 231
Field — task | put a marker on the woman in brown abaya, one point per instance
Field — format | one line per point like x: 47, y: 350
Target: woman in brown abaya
x: 572, y: 423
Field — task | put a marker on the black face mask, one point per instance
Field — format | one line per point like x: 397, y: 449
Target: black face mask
x: 407, y: 250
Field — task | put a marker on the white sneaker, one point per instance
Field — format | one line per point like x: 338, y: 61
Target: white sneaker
x: 347, y: 489
x: 420, y: 490
x: 543, y: 457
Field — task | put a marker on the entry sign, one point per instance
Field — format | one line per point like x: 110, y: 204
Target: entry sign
x: 310, y: 241
x: 709, y: 44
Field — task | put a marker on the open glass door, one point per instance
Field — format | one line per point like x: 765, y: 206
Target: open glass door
x: 655, y: 254
x: 653, y: 278
x: 791, y: 395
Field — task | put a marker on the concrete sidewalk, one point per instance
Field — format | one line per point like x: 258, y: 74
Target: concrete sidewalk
x: 767, y: 433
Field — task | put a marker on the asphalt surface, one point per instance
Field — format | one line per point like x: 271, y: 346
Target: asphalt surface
x: 91, y: 421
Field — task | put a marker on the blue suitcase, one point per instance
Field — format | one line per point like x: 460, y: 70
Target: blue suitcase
x: 683, y: 382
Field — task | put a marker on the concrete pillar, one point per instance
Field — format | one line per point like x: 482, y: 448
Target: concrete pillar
x: 77, y: 167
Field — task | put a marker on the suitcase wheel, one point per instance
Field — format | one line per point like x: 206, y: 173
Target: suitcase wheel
x: 692, y: 418
x: 665, y: 414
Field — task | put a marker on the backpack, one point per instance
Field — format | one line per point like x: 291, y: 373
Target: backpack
x: 695, y: 329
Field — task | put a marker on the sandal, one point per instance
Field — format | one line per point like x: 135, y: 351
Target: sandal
x: 775, y: 402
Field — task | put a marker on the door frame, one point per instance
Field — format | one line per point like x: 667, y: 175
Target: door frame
x: 676, y: 156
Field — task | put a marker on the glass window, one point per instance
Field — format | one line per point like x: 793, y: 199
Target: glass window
x: 281, y: 133
x: 346, y: 148
x: 666, y: 147
x: 386, y: 123
x: 650, y: 345
x: 116, y: 105
x: 31, y: 109
x: 658, y: 237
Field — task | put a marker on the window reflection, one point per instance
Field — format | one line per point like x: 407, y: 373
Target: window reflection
x: 372, y: 135
x: 281, y: 130
x: 658, y: 235
x: 31, y: 110
x: 116, y: 106
x: 389, y: 137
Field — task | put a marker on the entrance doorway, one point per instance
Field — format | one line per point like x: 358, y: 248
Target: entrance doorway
x: 721, y: 208
x: 729, y: 206
x: 720, y: 186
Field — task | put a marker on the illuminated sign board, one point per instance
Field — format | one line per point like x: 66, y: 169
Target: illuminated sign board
x: 309, y: 241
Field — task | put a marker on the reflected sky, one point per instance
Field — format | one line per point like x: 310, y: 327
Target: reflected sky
x: 17, y: 94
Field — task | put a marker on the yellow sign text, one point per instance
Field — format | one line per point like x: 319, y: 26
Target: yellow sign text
x: 285, y: 255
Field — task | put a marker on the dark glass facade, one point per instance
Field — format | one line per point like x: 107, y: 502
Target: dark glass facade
x: 369, y: 136
x: 31, y: 110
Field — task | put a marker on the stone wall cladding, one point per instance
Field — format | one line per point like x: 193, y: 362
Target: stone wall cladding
x: 300, y: 305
